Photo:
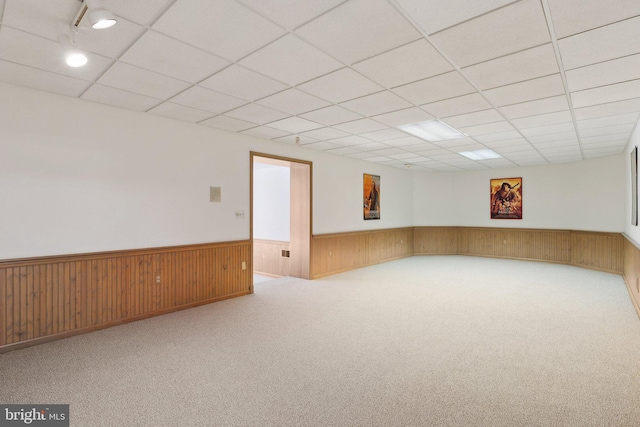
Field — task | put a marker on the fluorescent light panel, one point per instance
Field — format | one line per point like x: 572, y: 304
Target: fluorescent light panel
x: 432, y: 130
x: 480, y: 154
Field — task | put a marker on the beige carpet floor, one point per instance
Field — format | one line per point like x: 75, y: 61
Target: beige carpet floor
x: 422, y: 341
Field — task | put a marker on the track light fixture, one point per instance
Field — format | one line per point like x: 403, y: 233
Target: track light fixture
x: 99, y: 17
x: 73, y: 56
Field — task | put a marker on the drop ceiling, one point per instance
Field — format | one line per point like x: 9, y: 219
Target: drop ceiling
x: 537, y: 81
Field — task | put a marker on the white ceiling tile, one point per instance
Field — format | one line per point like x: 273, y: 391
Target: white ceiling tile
x: 323, y: 134
x: 542, y: 87
x: 498, y: 136
x: 48, y: 55
x: 42, y: 80
x: 601, y: 153
x: 377, y: 103
x: 294, y: 125
x: 331, y: 115
x: 605, y: 94
x: 387, y: 151
x: 444, y: 86
x: 225, y: 28
x: 207, y: 100
x: 243, y: 83
x: 143, y: 12
x: 179, y: 112
x: 358, y: 29
x: 513, y: 28
x: 559, y: 151
x: 459, y: 105
x: 602, y: 44
x: 620, y: 119
x: 553, y: 136
x: 322, y: 146
x: 376, y: 159
x: 542, y: 120
x: 609, y: 109
x: 471, y: 119
x: 604, y: 139
x: 565, y: 159
x: 539, y: 106
x: 548, y: 129
x: 290, y: 60
x: 524, y: 65
x: 410, y: 143
x: 614, y: 71
x: 608, y: 130
x: 227, y: 123
x: 265, y: 132
x: 592, y: 14
x: 290, y: 13
x: 516, y: 149
x: 134, y: 79
x: 451, y: 143
x: 353, y: 140
x: 415, y: 61
x: 170, y: 57
x: 403, y: 117
x: 384, y: 134
x: 293, y: 101
x: 340, y: 86
x: 508, y: 144
x: 256, y: 114
x: 342, y: 151
x: 53, y: 17
x: 360, y: 126
x: 485, y: 129
x: 557, y: 143
x: 119, y: 98
x: 359, y: 155
x: 436, y: 15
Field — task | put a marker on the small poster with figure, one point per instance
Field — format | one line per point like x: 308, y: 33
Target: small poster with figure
x: 506, y: 198
x: 371, y: 196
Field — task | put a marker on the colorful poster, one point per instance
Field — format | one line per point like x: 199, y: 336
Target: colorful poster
x: 371, y: 196
x: 506, y: 198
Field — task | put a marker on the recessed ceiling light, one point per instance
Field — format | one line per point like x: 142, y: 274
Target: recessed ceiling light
x: 432, y: 130
x: 480, y: 154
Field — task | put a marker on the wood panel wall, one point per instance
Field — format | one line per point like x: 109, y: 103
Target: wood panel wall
x: 631, y: 272
x: 47, y: 298
x: 334, y: 253
x: 268, y: 259
x: 527, y: 244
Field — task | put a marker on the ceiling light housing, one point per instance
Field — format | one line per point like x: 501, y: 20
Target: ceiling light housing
x: 99, y: 17
x: 480, y: 154
x: 432, y: 131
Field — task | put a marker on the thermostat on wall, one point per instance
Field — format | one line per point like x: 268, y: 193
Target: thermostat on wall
x: 215, y: 194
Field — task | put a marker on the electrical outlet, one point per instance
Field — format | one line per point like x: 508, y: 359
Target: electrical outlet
x: 244, y: 265
x: 240, y: 215
x: 329, y: 253
x: 158, y: 278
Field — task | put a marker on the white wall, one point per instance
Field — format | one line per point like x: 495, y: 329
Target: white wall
x: 77, y: 177
x: 271, y: 202
x: 586, y: 195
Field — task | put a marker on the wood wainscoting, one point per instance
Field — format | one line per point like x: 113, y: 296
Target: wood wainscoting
x: 631, y: 272
x: 338, y: 252
x: 268, y: 259
x: 334, y: 253
x: 47, y: 298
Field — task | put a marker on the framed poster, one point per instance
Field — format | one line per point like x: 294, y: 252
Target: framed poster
x: 371, y: 186
x: 506, y: 198
x: 634, y: 186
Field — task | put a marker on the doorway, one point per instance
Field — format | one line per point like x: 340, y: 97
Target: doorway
x: 280, y: 216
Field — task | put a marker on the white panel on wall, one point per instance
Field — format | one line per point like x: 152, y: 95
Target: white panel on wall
x: 631, y: 231
x: 271, y: 202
